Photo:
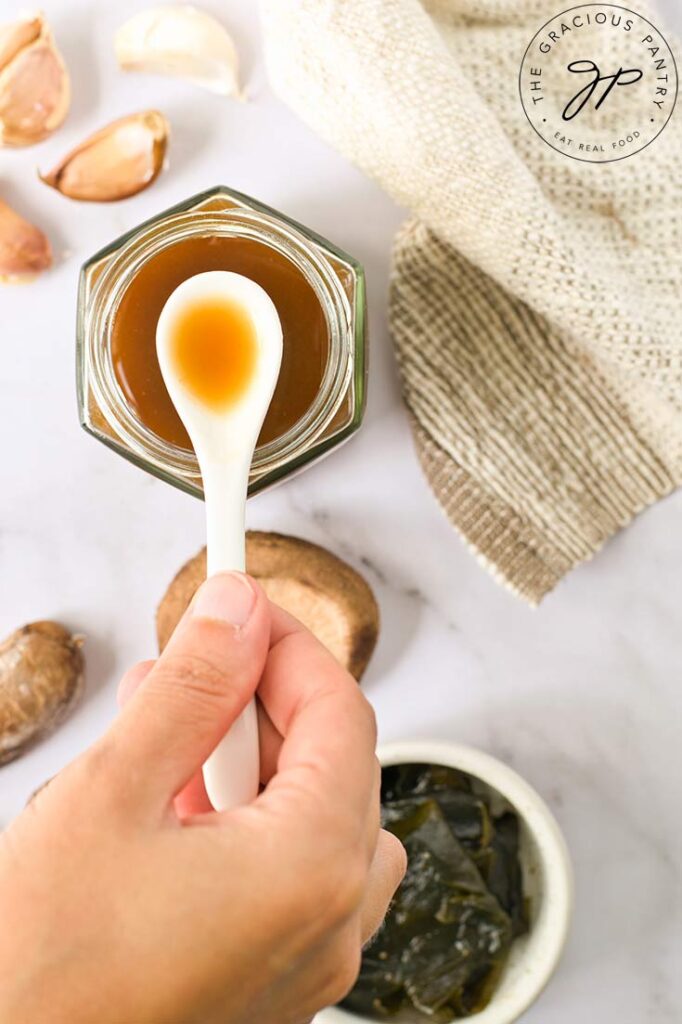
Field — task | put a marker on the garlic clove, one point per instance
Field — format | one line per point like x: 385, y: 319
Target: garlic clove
x: 118, y: 161
x: 17, y: 35
x: 24, y: 249
x: 180, y: 40
x: 35, y: 92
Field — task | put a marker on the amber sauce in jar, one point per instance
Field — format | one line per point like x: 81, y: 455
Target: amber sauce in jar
x: 304, y: 329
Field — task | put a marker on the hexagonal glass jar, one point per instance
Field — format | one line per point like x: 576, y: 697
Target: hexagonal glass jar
x: 338, y: 283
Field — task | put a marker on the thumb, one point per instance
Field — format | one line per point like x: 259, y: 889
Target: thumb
x: 205, y: 677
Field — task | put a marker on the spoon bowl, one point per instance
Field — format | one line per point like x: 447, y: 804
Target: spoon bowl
x: 232, y: 423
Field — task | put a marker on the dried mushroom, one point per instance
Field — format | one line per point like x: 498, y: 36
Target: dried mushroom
x: 41, y: 679
x: 180, y: 40
x: 34, y: 84
x: 315, y: 586
x: 118, y: 161
x: 24, y: 249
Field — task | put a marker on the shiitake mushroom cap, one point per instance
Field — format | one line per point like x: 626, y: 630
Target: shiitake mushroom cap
x: 315, y: 586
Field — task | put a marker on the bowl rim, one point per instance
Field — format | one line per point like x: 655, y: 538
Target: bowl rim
x: 551, y: 928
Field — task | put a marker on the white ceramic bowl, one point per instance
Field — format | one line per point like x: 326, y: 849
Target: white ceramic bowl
x: 546, y: 868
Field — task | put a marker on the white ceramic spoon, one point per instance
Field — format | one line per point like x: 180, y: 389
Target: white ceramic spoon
x: 224, y: 440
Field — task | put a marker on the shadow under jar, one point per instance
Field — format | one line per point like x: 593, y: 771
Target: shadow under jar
x: 318, y: 291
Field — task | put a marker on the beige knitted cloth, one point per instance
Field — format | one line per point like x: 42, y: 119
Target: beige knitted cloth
x: 536, y: 301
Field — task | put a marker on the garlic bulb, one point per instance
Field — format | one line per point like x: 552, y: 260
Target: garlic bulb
x: 118, y: 161
x: 180, y: 40
x: 34, y: 84
x: 24, y: 249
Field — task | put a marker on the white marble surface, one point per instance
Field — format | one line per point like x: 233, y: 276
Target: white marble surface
x: 582, y: 696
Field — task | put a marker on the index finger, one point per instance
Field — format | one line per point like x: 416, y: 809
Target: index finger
x: 328, y: 727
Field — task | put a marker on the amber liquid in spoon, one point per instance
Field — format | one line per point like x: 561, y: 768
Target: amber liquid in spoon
x: 214, y: 349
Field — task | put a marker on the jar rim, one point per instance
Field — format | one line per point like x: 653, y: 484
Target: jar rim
x: 237, y: 222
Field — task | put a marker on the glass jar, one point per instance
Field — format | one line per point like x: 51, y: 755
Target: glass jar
x: 337, y: 281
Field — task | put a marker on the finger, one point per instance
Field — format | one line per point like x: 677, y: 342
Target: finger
x: 282, y: 623
x: 193, y: 799
x: 206, y: 675
x: 131, y: 680
x: 385, y: 875
x: 374, y: 815
x: 328, y: 728
x: 270, y: 745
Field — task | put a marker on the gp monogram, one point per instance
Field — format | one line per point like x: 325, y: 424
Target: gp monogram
x: 598, y: 83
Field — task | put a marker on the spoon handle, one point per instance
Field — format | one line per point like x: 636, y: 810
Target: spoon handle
x: 232, y: 771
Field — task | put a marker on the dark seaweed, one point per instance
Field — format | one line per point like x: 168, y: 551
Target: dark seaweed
x: 502, y: 870
x: 440, y: 952
x: 412, y: 780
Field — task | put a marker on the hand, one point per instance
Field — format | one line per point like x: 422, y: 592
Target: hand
x: 124, y: 899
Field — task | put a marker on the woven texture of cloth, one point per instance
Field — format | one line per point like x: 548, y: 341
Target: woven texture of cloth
x: 535, y: 299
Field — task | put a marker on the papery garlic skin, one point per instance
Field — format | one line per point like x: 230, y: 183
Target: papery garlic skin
x: 35, y: 91
x: 24, y: 250
x: 180, y: 40
x: 118, y: 161
x: 16, y: 35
